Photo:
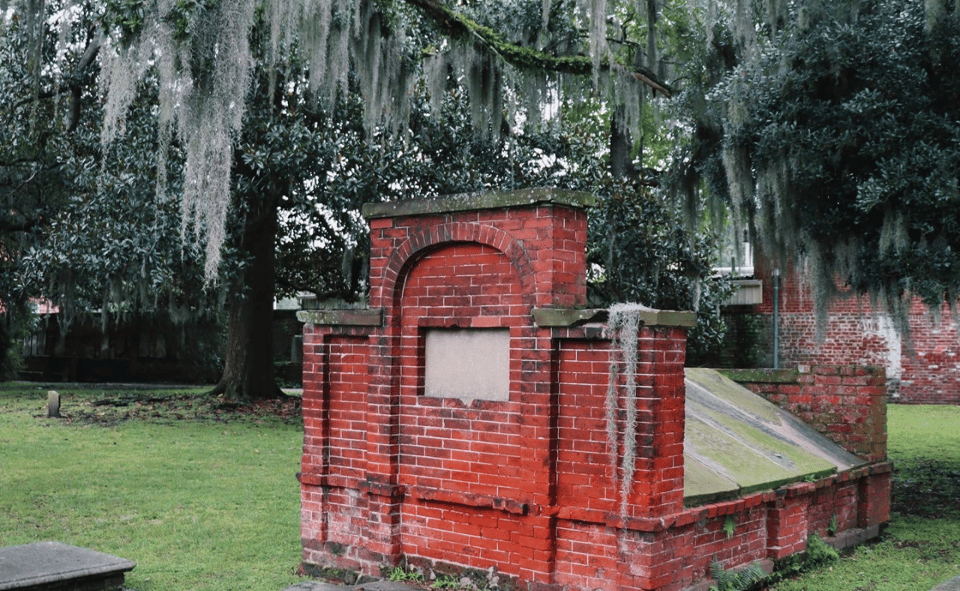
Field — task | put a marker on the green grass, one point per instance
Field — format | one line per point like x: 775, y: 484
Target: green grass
x: 200, y: 497
x: 204, y: 498
x: 921, y: 548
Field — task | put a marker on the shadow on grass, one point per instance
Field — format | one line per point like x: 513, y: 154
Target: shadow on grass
x: 925, y: 487
x: 107, y: 406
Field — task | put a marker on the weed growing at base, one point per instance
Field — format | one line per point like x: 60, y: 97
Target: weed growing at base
x: 203, y: 496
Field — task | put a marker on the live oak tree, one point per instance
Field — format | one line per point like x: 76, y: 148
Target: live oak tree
x: 202, y: 57
x: 242, y: 91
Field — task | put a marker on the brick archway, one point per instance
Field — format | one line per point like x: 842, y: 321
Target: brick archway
x: 405, y: 257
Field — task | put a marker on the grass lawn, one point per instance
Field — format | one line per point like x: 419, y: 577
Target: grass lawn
x: 204, y: 498
x: 200, y: 497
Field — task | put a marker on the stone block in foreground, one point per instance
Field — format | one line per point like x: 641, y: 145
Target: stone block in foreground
x: 54, y: 566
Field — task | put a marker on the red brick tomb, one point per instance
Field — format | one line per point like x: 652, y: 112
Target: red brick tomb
x: 477, y: 419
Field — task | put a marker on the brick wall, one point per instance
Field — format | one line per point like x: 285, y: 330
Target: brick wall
x: 846, y: 403
x: 922, y: 369
x: 522, y: 487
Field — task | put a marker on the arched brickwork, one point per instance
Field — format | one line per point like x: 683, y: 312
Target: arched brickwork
x: 419, y: 244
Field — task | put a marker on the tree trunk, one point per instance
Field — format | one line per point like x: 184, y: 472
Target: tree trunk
x: 248, y: 369
x: 621, y: 167
x: 621, y: 146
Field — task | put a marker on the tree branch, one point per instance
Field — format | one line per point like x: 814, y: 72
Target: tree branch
x: 21, y: 161
x: 455, y: 25
x: 72, y: 82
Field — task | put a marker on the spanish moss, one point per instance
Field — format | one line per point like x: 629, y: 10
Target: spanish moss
x: 624, y: 326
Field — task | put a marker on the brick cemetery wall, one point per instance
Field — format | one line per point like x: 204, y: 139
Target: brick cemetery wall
x: 923, y: 370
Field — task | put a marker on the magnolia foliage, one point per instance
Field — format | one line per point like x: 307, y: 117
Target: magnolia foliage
x: 844, y: 146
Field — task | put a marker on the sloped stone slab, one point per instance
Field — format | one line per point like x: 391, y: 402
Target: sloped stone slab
x: 54, y: 566
x: 736, y: 442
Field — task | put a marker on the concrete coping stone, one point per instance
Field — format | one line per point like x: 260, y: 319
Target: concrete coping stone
x: 480, y: 200
x: 570, y: 317
x: 51, y: 564
x: 353, y: 317
x: 950, y: 585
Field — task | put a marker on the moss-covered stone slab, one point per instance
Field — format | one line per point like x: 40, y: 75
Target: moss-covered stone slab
x: 567, y: 317
x: 482, y: 200
x: 703, y: 484
x: 749, y: 466
x: 370, y: 317
x: 736, y: 442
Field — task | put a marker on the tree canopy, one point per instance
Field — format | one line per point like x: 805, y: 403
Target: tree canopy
x: 842, y: 144
x: 302, y: 163
x: 833, y: 144
x: 202, y: 55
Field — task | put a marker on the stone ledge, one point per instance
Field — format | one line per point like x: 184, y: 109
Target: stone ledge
x: 373, y: 317
x: 668, y: 318
x: 762, y: 376
x: 472, y: 201
x: 60, y: 567
x: 567, y: 317
x: 572, y: 317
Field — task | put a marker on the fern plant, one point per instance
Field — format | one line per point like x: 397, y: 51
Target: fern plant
x: 446, y: 582
x: 818, y: 553
x: 399, y: 574
x: 729, y: 526
x: 740, y: 580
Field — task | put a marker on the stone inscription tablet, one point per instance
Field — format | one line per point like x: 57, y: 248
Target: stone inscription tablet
x: 468, y: 364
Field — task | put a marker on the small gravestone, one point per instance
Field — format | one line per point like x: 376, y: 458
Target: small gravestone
x: 53, y: 566
x: 53, y: 404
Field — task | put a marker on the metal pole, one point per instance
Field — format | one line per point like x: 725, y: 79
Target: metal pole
x: 776, y: 319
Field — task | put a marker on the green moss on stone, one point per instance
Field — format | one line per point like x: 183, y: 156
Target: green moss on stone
x: 764, y: 376
x: 474, y: 201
